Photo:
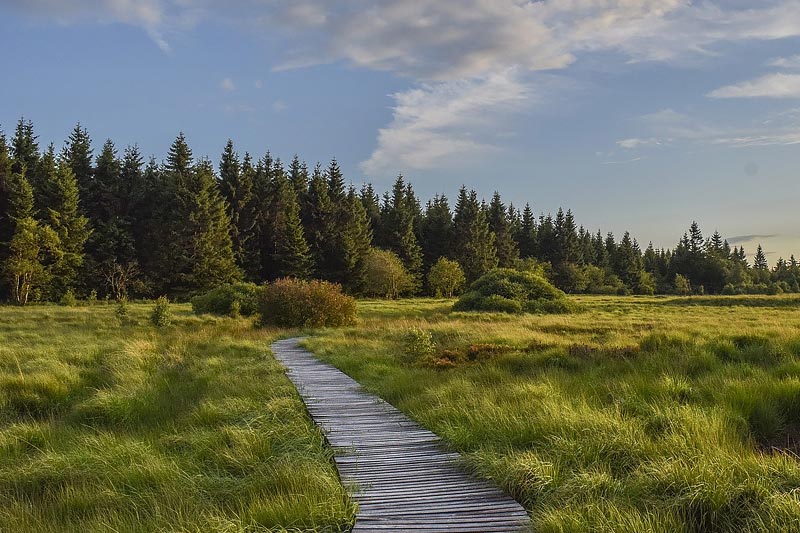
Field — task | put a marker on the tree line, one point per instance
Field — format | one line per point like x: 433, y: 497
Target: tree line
x: 118, y: 225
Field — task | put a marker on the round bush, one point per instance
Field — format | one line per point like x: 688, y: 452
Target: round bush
x: 512, y: 291
x: 225, y: 299
x: 297, y: 303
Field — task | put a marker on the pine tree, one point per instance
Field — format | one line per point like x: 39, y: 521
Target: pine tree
x: 356, y: 242
x: 111, y: 245
x: 526, y: 237
x: 236, y: 186
x: 372, y: 205
x: 289, y: 254
x: 210, y: 245
x: 298, y: 175
x: 78, y: 155
x: 397, y: 223
x: 336, y: 190
x: 628, y: 262
x: 437, y: 231
x: 25, y: 152
x: 472, y: 241
x: 760, y: 259
x: 318, y: 221
x: 500, y: 226
x: 7, y: 224
x: 61, y: 202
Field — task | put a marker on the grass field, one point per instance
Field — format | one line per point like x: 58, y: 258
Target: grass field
x: 128, y: 428
x: 638, y: 414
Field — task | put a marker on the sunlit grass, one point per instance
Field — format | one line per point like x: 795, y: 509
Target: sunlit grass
x: 638, y: 414
x: 127, y: 428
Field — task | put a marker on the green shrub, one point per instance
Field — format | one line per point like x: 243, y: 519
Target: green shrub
x: 511, y: 291
x: 122, y: 312
x: 69, y: 299
x: 161, y: 316
x: 223, y: 299
x: 418, y: 345
x: 446, y: 278
x: 298, y: 303
x: 92, y: 298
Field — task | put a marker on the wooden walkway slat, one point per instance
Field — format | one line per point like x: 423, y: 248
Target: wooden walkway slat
x: 399, y: 473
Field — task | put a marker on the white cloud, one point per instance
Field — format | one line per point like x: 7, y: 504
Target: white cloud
x: 447, y: 123
x: 227, y: 85
x: 777, y: 85
x: 259, y: 84
x: 147, y: 14
x: 279, y: 106
x: 792, y: 62
x: 636, y: 142
x: 667, y: 127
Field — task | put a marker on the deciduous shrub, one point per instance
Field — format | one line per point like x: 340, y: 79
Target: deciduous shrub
x: 446, y: 278
x: 385, y: 275
x: 418, y: 345
x: 298, y: 303
x: 224, y: 300
x: 69, y: 299
x: 511, y: 291
x: 161, y: 316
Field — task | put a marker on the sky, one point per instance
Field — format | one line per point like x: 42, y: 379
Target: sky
x: 639, y: 115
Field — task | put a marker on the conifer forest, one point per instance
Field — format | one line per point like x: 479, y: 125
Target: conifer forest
x: 106, y: 220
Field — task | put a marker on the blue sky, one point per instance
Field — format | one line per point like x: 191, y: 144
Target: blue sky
x: 637, y: 114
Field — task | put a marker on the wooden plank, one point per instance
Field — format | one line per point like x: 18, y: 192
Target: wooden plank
x: 401, y: 475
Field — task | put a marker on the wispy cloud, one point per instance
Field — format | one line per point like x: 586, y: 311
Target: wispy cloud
x: 792, y: 62
x: 777, y: 85
x: 738, y: 239
x: 448, y: 123
x: 669, y: 127
x: 227, y: 85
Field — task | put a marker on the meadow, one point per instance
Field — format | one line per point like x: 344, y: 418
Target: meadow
x: 124, y: 427
x: 646, y: 414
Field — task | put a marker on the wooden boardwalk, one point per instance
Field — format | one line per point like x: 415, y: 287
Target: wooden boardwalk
x: 399, y: 473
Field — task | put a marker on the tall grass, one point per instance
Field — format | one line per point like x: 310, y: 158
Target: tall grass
x: 639, y: 414
x: 128, y: 428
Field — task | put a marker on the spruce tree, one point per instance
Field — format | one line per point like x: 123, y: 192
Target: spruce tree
x: 319, y: 220
x: 6, y: 222
x: 372, y: 205
x: 398, y: 230
x: 289, y: 253
x: 760, y: 259
x: 61, y: 201
x: 298, y: 175
x: 473, y: 242
x: 25, y: 152
x: 111, y: 246
x: 356, y: 242
x: 526, y: 236
x: 500, y: 226
x: 236, y: 186
x: 437, y: 231
x: 210, y: 246
x: 78, y: 154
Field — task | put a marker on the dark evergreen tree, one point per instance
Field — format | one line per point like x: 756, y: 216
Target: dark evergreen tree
x: 356, y: 242
x: 372, y: 205
x: 210, y: 248
x: 399, y: 237
x: 236, y: 186
x: 500, y: 226
x: 319, y: 219
x: 25, y: 152
x: 61, y: 201
x: 473, y: 242
x: 760, y: 259
x: 78, y: 155
x: 298, y: 175
x: 437, y: 231
x: 526, y: 236
x: 289, y: 253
